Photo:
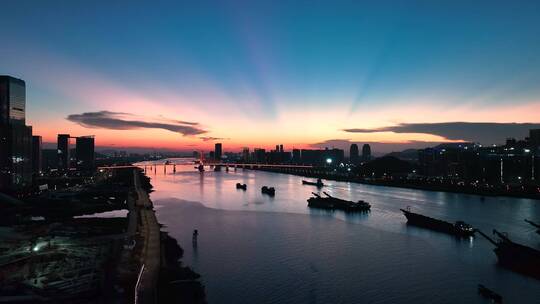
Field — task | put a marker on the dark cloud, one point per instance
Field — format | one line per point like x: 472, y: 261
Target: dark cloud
x: 483, y: 132
x: 183, y: 122
x: 377, y: 148
x: 126, y: 121
x: 210, y: 138
x: 187, y: 122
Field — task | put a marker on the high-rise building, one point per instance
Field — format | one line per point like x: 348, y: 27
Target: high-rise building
x: 534, y: 139
x: 296, y: 156
x: 63, y: 151
x: 218, y: 152
x: 366, y: 152
x: 312, y: 157
x: 49, y: 160
x: 12, y: 101
x: 281, y: 148
x: 245, y: 154
x: 84, y: 150
x: 15, y: 136
x: 354, y: 154
x: 20, y: 148
x: 336, y: 156
x: 37, y: 156
x: 259, y: 155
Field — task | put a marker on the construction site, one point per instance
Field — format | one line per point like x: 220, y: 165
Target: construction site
x: 46, y: 258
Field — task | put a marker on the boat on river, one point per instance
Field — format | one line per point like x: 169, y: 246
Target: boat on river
x: 459, y: 228
x: 332, y: 203
x: 241, y: 186
x: 514, y: 256
x: 318, y: 183
x: 534, y: 225
x: 268, y: 190
x: 489, y: 294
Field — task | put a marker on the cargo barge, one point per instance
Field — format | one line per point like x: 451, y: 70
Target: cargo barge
x: 514, y: 256
x: 459, y: 228
x: 333, y: 203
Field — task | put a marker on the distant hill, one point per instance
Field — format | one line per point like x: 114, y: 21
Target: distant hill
x: 453, y: 145
x: 412, y: 154
x: 407, y: 155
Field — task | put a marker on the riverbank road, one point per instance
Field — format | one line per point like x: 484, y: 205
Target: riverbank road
x: 149, y: 231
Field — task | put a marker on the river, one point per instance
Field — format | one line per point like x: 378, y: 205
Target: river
x: 257, y: 249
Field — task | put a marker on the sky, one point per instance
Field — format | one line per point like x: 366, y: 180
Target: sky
x: 183, y: 75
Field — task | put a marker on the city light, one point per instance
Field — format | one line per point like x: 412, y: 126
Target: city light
x: 328, y: 160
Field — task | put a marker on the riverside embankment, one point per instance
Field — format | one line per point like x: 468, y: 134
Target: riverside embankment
x: 149, y: 233
x: 161, y: 278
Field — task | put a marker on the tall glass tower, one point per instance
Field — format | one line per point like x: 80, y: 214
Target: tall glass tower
x: 218, y: 150
x: 354, y: 155
x: 366, y: 152
x: 15, y: 136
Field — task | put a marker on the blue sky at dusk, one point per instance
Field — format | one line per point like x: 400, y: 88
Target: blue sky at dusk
x: 255, y: 73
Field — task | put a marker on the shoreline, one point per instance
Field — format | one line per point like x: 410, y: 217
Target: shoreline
x: 397, y: 184
x: 161, y: 277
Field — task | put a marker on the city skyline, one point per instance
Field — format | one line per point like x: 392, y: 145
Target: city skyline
x: 408, y: 77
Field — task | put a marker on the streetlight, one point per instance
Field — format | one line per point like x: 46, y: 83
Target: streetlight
x: 329, y: 161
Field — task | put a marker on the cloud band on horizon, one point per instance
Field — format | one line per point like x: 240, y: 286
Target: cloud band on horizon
x: 211, y: 138
x: 483, y: 132
x: 127, y: 121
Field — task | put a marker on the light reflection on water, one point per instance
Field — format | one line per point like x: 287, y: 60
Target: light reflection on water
x: 378, y: 256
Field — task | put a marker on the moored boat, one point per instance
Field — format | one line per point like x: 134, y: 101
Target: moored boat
x: 241, y: 186
x: 318, y: 184
x: 332, y: 203
x: 534, y: 225
x: 514, y: 256
x: 459, y: 228
x: 489, y: 294
x: 268, y: 190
